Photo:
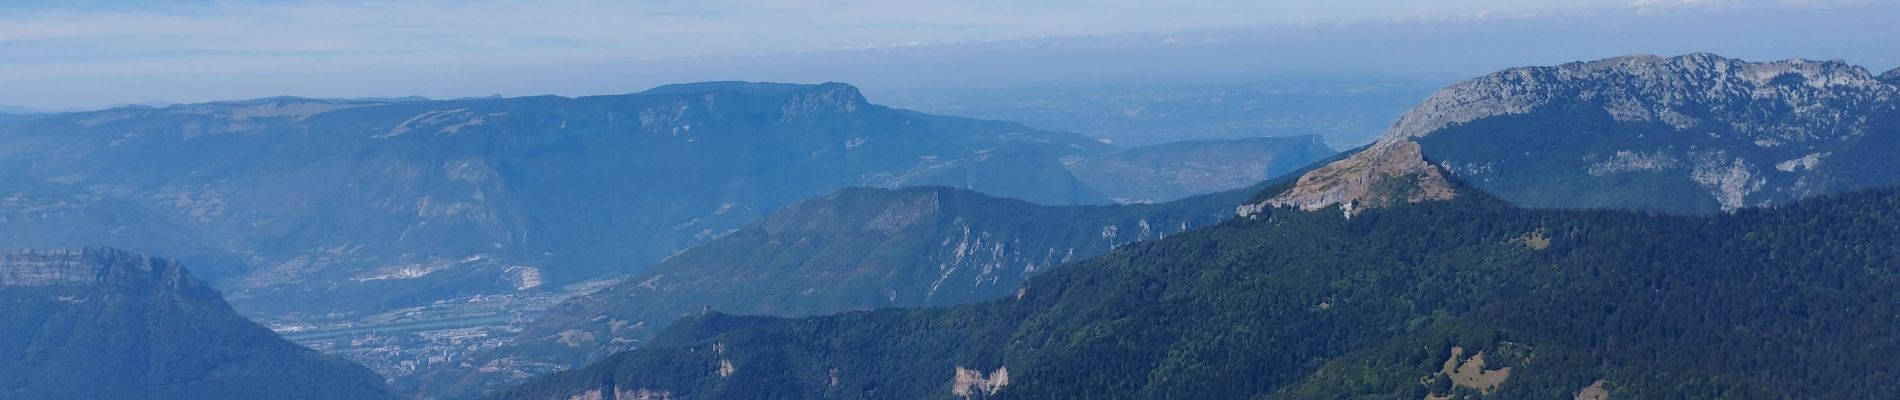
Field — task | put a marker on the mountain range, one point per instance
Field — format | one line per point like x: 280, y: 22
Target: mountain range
x: 101, y: 323
x: 344, y: 207
x: 5, y: 117
x: 1394, y: 272
x: 1634, y: 227
x: 1344, y: 110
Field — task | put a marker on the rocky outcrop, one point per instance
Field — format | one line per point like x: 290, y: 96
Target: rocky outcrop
x: 970, y: 383
x: 1385, y: 174
x: 1891, y: 77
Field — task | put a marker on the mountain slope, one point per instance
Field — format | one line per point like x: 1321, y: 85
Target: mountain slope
x: 99, y: 324
x: 360, y: 205
x: 855, y: 249
x: 1465, y: 296
x: 1169, y: 171
x: 1690, y: 134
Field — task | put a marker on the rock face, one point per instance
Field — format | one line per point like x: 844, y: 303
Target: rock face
x: 1694, y: 134
x: 61, y: 268
x: 94, y: 324
x: 855, y: 249
x: 970, y: 383
x: 1891, y: 77
x: 370, y: 204
x: 1385, y: 174
x: 1790, y: 100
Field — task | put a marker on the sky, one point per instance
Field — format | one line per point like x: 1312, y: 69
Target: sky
x: 59, y: 55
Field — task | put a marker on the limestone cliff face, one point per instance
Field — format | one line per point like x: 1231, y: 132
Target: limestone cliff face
x: 1389, y: 172
x: 89, y: 267
x: 1788, y: 100
x: 1696, y: 133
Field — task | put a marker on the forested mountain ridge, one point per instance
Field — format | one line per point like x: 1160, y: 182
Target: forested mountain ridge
x: 1696, y: 133
x: 96, y: 324
x: 855, y: 249
x: 1464, y: 297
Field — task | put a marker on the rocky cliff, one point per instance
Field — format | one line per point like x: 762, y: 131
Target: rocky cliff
x: 88, y: 268
x: 1694, y: 133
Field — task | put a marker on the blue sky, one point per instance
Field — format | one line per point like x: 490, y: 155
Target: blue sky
x: 63, y: 54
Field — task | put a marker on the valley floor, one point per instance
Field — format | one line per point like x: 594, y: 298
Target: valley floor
x: 401, y: 342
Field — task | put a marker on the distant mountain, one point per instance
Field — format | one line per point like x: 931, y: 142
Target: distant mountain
x: 107, y: 324
x: 356, y: 205
x: 1170, y: 171
x: 7, y: 118
x: 855, y: 249
x: 1453, y: 296
x: 1692, y: 134
x: 18, y: 110
x: 1891, y: 77
x: 42, y: 215
x: 1345, y: 110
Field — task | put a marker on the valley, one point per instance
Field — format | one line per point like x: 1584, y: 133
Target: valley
x: 401, y: 342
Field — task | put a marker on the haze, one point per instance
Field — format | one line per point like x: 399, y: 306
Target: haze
x: 80, y: 55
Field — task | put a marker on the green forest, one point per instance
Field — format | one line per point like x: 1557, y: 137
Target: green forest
x: 1795, y: 301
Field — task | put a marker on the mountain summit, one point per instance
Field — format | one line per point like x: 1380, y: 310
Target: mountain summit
x: 1694, y: 134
